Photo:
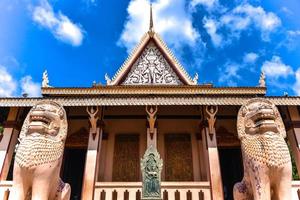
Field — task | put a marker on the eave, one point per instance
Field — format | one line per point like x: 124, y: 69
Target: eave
x: 169, y: 100
x: 154, y: 90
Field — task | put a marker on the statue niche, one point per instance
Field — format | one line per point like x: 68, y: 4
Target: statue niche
x: 151, y: 166
x: 266, y: 158
x: 39, y: 155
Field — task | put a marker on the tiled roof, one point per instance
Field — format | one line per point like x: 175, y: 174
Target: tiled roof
x: 134, y: 100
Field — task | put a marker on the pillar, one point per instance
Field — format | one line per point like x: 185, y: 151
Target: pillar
x: 214, y: 170
x: 293, y: 134
x: 152, y: 140
x: 91, y: 164
x: 8, y: 141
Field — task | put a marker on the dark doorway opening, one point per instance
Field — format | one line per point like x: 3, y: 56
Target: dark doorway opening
x: 73, y: 168
x: 231, y: 169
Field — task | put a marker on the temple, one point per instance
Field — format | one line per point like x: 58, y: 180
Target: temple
x: 150, y: 102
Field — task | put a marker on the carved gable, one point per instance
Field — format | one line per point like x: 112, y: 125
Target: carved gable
x: 151, y: 68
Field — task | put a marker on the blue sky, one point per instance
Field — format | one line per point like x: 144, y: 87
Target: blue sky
x: 227, y: 43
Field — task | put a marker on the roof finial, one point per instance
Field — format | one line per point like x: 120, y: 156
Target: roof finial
x: 262, y: 79
x: 151, y: 29
x: 45, y: 82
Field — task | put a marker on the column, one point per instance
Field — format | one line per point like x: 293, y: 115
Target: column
x: 91, y: 165
x: 293, y: 134
x: 8, y: 141
x: 213, y: 169
x: 92, y: 158
x: 152, y: 138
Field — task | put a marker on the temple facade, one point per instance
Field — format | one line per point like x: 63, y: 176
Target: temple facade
x: 150, y: 102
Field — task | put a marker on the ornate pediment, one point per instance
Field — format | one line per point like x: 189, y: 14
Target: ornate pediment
x: 151, y: 63
x: 151, y: 68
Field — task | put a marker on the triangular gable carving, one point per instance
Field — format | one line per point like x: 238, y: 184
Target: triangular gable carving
x: 151, y: 68
x: 151, y: 63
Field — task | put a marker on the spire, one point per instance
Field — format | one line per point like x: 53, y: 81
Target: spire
x: 151, y: 29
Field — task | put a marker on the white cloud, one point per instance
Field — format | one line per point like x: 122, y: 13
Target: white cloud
x: 294, y: 32
x: 209, y: 4
x: 242, y: 16
x: 291, y: 41
x: 60, y: 25
x: 171, y: 20
x: 266, y: 21
x: 29, y: 87
x: 90, y: 2
x: 275, y: 68
x: 250, y: 58
x: 286, y: 11
x: 8, y: 85
x: 296, y: 86
x: 229, y: 74
x: 211, y: 28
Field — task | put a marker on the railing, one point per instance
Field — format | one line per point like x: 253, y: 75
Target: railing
x: 132, y: 190
x: 296, y: 190
x: 5, y: 187
x: 170, y: 191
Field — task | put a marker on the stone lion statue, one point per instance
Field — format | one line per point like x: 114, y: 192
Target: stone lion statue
x: 266, y: 158
x: 39, y: 155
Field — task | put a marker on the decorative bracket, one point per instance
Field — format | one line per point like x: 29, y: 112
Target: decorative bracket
x: 211, y: 119
x: 151, y: 118
x: 93, y: 119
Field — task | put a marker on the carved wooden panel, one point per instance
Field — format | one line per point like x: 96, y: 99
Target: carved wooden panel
x: 126, y: 166
x: 178, y: 158
x: 152, y: 68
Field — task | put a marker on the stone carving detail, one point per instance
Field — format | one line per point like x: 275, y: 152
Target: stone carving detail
x: 151, y: 166
x: 266, y: 158
x: 151, y: 119
x: 39, y: 155
x: 151, y: 68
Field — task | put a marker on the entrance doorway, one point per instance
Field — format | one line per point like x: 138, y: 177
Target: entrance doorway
x: 73, y: 168
x: 231, y: 169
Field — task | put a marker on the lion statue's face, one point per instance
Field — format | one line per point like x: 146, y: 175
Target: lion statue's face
x: 45, y: 119
x: 259, y: 116
x: 43, y: 135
